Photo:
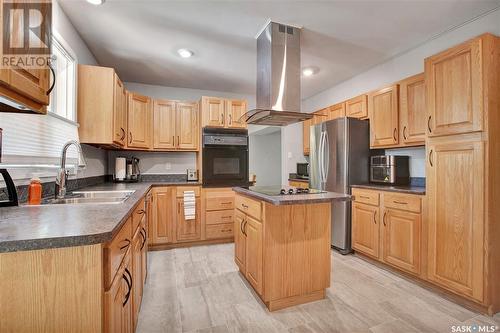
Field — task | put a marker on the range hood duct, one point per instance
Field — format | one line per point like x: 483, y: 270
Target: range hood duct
x: 278, y: 77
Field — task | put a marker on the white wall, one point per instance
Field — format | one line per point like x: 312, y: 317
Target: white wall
x: 157, y: 163
x: 397, y: 68
x: 265, y: 158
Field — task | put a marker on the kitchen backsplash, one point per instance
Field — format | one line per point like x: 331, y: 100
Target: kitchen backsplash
x: 156, y: 162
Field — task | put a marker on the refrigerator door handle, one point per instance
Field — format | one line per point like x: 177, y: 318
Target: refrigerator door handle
x: 321, y: 159
x: 326, y: 161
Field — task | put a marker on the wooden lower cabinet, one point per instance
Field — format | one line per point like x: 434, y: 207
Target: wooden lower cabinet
x: 188, y: 230
x: 239, y: 241
x: 136, y: 272
x: 218, y: 210
x: 253, y: 246
x: 365, y: 229
x: 118, y: 316
x: 163, y: 207
x: 387, y: 226
x: 401, y: 237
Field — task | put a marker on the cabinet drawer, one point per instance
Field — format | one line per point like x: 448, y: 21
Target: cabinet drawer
x: 249, y: 206
x: 366, y: 196
x: 219, y: 230
x: 219, y: 216
x: 115, y: 250
x: 218, y: 200
x: 407, y: 202
x: 138, y: 214
x: 181, y: 189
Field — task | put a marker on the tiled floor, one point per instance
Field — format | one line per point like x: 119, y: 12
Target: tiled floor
x: 200, y: 290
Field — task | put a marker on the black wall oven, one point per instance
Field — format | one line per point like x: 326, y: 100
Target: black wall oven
x: 225, y: 157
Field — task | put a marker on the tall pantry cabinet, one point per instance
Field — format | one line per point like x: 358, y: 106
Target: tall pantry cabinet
x: 463, y: 174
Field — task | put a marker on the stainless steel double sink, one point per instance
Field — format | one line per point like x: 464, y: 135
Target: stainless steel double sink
x: 92, y: 197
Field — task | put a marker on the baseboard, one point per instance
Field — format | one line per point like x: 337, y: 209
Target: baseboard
x: 161, y: 247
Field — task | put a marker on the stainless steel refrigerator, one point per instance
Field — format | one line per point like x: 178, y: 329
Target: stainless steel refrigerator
x: 339, y: 158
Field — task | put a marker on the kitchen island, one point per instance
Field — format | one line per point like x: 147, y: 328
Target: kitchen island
x: 282, y: 243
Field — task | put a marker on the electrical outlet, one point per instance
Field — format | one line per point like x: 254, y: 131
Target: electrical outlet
x: 168, y: 166
x: 289, y: 154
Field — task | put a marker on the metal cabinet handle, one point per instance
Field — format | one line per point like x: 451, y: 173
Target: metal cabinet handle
x: 400, y: 202
x: 127, y: 245
x: 375, y: 217
x: 173, y: 140
x: 222, y: 118
x: 123, y: 134
x: 241, y: 226
x: 145, y: 237
x: 383, y: 219
x: 140, y: 212
x: 430, y: 158
x: 127, y: 296
x: 178, y: 140
x: 53, y: 82
x: 230, y: 120
x: 364, y: 197
x: 394, y: 134
x: 404, y: 133
x: 245, y: 228
x: 130, y: 139
x: 429, y: 124
x: 244, y: 206
x: 226, y: 217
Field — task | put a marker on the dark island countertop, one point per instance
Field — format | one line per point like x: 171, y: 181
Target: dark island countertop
x: 295, y: 199
x: 62, y: 225
x: 402, y: 188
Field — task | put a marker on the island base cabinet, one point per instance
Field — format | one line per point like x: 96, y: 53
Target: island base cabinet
x: 253, y: 267
x: 239, y: 242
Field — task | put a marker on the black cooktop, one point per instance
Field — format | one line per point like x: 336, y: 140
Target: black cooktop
x: 286, y: 190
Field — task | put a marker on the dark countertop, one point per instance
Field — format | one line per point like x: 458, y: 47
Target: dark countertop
x: 403, y: 189
x: 50, y: 226
x: 296, y: 199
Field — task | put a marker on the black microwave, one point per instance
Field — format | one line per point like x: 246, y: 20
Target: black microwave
x: 225, y: 157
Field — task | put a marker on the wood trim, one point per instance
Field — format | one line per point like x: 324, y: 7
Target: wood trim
x: 295, y: 300
x: 162, y: 247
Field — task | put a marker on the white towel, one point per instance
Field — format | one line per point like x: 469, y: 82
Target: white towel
x: 189, y: 205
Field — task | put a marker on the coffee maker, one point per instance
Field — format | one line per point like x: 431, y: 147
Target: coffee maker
x: 133, y: 172
x: 127, y: 170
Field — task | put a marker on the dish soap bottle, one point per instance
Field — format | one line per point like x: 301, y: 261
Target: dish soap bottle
x: 35, y: 191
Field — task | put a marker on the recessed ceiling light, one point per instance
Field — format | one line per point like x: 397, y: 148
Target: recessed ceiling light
x: 96, y: 2
x: 185, y: 53
x: 308, y: 71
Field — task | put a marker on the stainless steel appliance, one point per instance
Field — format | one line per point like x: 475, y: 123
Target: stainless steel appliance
x: 277, y: 190
x: 225, y: 157
x: 192, y: 174
x: 133, y: 171
x: 340, y: 156
x: 303, y: 170
x: 393, y: 170
x: 278, y: 77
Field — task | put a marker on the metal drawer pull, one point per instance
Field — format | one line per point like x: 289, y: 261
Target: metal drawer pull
x: 364, y: 197
x: 404, y: 133
x: 125, y: 246
x: 226, y: 217
x: 394, y: 134
x: 142, y: 211
x: 400, y: 202
x: 130, y: 140
x: 226, y: 203
x: 244, y: 206
x: 374, y: 217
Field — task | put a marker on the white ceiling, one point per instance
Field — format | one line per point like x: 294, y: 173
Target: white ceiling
x: 342, y: 38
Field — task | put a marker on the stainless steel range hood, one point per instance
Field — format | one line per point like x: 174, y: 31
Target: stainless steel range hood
x: 278, y: 77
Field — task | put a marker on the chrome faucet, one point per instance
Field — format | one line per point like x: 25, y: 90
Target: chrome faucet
x: 62, y: 175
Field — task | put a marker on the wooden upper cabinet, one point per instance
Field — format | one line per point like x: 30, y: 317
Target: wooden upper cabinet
x: 383, y: 111
x: 119, y: 112
x: 235, y: 109
x: 365, y: 229
x: 139, y: 121
x: 336, y: 111
x: 163, y: 215
x: 101, y: 107
x: 321, y: 116
x: 412, y: 111
x: 164, y: 124
x: 456, y: 219
x: 306, y: 139
x: 187, y: 126
x: 213, y: 111
x: 454, y: 80
x: 357, y: 107
x: 401, y: 245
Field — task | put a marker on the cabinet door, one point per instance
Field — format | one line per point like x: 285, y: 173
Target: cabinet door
x: 401, y: 231
x: 119, y: 112
x: 455, y: 194
x: 365, y: 229
x: 139, y: 121
x: 239, y: 241
x: 253, y: 260
x: 136, y: 276
x: 235, y: 109
x: 163, y: 204
x: 118, y: 301
x: 357, y: 107
x: 412, y: 112
x: 164, y: 124
x: 336, y: 111
x: 212, y: 112
x: 383, y: 109
x: 321, y: 116
x: 188, y: 230
x: 144, y: 254
x: 306, y: 139
x: 187, y: 126
x: 149, y: 216
x: 455, y: 89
